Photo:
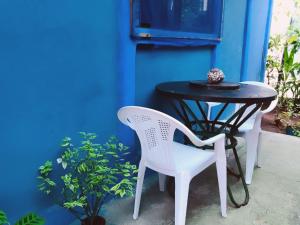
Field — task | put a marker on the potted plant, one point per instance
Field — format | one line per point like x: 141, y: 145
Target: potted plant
x: 294, y: 129
x: 288, y: 121
x: 86, y: 174
x: 28, y: 219
x: 283, y: 119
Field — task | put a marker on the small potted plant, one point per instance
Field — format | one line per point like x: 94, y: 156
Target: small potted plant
x: 86, y: 174
x: 294, y: 129
x: 288, y: 121
x: 283, y: 120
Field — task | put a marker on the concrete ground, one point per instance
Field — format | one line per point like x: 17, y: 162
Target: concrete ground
x: 274, y: 193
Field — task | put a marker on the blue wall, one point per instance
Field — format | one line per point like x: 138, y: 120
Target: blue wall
x: 66, y: 66
x: 57, y: 77
x: 167, y: 64
x: 256, y: 39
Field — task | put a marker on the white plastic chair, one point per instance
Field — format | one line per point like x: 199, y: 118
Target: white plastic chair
x: 251, y: 131
x: 161, y: 153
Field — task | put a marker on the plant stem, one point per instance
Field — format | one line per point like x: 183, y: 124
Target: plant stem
x: 96, y: 206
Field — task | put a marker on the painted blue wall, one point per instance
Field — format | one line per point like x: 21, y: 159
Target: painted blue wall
x: 66, y: 66
x: 167, y: 64
x: 57, y: 77
x: 256, y: 39
x: 229, y: 53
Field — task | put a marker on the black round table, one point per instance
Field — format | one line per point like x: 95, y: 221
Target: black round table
x: 245, y: 94
x: 251, y: 97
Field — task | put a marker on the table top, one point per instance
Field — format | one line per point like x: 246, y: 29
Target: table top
x: 245, y: 94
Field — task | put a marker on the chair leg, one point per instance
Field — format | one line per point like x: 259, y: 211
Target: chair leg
x: 251, y: 143
x: 182, y: 184
x: 139, y: 188
x: 258, y: 157
x: 162, y: 178
x: 222, y: 181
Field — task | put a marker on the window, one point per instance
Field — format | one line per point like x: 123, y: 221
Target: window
x: 189, y: 21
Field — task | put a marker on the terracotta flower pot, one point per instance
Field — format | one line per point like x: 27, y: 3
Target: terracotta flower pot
x: 99, y: 220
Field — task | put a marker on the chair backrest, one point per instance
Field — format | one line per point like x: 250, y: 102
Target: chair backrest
x: 270, y: 107
x: 273, y: 103
x: 249, y: 109
x: 155, y: 131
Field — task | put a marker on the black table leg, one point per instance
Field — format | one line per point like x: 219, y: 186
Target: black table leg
x: 171, y: 186
x: 241, y: 176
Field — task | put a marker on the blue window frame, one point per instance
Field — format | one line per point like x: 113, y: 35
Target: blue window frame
x: 177, y: 22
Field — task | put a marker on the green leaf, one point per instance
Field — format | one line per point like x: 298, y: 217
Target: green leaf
x: 116, y: 187
x: 64, y: 165
x: 81, y: 202
x: 3, y: 218
x: 292, y: 39
x: 105, y: 188
x: 50, y: 182
x: 111, y: 153
x: 122, y: 193
x: 30, y: 219
x: 92, y: 155
x: 82, y: 168
x: 46, y: 168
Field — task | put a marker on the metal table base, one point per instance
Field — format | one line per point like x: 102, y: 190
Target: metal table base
x: 205, y: 128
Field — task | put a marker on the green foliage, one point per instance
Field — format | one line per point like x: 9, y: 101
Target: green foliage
x: 3, y: 218
x: 87, y: 173
x: 28, y: 219
x: 47, y: 183
x: 289, y: 79
x: 286, y: 67
x: 296, y: 132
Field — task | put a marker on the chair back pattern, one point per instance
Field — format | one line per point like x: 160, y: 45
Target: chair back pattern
x: 155, y: 131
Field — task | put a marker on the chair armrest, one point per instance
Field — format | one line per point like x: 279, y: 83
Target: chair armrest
x: 187, y: 132
x: 271, y: 106
x: 194, y: 139
x: 214, y: 139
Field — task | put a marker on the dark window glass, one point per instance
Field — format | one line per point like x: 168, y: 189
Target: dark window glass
x: 179, y: 15
x: 183, y: 19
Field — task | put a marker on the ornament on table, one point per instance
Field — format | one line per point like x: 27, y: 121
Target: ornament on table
x: 215, y: 76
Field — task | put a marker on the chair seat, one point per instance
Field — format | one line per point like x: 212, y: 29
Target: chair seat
x: 191, y: 159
